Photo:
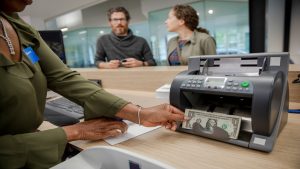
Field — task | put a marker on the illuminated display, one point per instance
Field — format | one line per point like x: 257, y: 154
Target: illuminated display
x: 213, y: 82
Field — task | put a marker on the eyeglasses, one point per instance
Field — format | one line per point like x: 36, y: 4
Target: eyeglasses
x: 118, y: 19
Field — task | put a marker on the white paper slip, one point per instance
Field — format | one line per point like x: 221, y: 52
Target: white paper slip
x: 163, y: 91
x: 133, y: 130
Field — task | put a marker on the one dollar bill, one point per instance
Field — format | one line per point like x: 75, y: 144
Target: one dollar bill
x: 212, y: 123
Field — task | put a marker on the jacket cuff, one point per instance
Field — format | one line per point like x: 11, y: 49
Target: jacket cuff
x: 102, y: 103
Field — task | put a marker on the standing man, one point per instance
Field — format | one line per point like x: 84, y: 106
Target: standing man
x: 121, y: 47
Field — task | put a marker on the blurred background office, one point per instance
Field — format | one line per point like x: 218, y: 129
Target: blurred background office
x: 238, y: 26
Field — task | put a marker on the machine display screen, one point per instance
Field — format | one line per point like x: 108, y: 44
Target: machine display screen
x: 215, y: 82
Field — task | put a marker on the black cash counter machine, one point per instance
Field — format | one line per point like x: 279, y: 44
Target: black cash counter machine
x: 252, y: 86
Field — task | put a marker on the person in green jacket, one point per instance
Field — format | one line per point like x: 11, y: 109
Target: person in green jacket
x: 191, y: 41
x: 27, y: 68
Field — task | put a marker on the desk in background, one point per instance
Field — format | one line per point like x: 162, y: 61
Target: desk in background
x: 151, y: 78
x: 139, y: 78
x: 185, y: 151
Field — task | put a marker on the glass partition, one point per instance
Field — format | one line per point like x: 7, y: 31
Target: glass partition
x: 227, y: 22
x: 80, y: 44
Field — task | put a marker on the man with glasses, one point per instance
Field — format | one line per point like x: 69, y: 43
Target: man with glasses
x: 121, y: 47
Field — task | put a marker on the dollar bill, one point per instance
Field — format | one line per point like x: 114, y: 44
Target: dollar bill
x: 211, y: 123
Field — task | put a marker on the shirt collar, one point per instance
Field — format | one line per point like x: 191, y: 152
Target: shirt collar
x: 192, y: 39
x: 129, y: 35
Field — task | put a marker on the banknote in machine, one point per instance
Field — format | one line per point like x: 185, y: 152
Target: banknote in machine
x: 210, y: 121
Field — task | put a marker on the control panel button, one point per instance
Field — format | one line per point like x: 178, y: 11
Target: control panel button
x: 245, y: 84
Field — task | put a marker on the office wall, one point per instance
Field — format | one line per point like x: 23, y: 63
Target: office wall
x: 152, y: 5
x: 295, y: 33
x: 96, y: 16
x: 36, y: 22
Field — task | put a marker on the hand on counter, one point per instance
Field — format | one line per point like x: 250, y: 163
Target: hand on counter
x: 132, y: 62
x: 112, y: 64
x: 95, y: 129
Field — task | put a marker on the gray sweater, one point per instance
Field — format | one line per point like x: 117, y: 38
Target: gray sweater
x: 112, y: 47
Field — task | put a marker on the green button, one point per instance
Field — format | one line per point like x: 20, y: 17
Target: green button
x: 245, y: 84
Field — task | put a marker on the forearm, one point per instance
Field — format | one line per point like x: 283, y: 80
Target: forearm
x: 163, y: 114
x: 71, y: 133
x: 150, y: 62
x: 130, y: 112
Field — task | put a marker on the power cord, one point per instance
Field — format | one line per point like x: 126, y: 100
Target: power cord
x: 297, y: 80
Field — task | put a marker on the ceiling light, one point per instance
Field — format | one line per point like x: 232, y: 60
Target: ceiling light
x: 64, y: 29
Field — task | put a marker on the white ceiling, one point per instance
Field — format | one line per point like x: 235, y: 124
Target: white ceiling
x: 47, y: 9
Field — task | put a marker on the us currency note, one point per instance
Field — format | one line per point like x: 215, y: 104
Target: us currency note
x: 209, y: 122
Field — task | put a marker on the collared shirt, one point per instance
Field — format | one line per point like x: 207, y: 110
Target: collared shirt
x: 23, y: 87
x: 199, y: 44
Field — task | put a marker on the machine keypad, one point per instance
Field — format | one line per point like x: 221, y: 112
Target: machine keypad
x: 230, y: 85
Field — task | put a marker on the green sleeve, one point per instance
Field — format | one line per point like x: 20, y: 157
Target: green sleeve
x: 95, y: 100
x: 33, y: 150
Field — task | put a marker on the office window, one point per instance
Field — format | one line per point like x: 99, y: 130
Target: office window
x: 80, y: 46
x: 227, y: 22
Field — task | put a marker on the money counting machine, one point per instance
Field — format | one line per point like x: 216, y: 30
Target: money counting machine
x: 251, y: 86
